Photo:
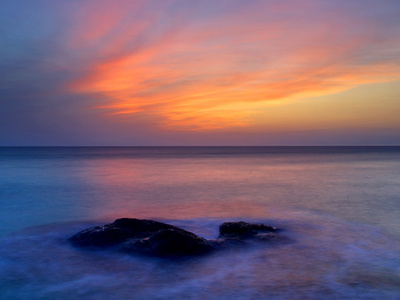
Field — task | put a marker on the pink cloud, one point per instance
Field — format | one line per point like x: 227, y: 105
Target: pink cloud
x: 201, y: 67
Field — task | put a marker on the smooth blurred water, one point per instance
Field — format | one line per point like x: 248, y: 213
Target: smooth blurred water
x: 340, y: 206
x: 46, y: 185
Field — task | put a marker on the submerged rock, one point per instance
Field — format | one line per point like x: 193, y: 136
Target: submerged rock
x: 148, y: 237
x: 243, y: 230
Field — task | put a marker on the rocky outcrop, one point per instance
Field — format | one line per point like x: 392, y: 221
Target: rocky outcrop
x: 169, y: 243
x: 158, y: 239
x: 118, y: 232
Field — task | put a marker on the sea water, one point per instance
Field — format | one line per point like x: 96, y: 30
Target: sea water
x: 339, y: 208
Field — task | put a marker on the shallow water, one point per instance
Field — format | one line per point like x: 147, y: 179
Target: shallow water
x: 338, y: 206
x: 325, y: 258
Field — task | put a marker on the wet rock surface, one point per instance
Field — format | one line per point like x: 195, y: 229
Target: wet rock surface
x: 152, y: 238
x: 170, y: 242
x: 117, y: 232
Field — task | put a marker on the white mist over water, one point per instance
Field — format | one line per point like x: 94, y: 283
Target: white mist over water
x: 318, y: 195
x: 325, y: 258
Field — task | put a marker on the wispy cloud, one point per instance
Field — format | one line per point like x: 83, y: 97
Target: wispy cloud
x: 193, y: 65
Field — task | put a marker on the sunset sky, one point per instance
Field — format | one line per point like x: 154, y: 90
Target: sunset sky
x: 191, y: 72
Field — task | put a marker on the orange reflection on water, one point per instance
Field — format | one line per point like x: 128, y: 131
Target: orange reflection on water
x: 165, y: 189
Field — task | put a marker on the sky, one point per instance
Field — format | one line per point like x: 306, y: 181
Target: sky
x: 190, y: 72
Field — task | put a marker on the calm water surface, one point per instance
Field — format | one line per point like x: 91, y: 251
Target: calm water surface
x: 339, y: 205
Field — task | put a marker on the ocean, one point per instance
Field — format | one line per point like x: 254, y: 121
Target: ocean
x: 338, y: 206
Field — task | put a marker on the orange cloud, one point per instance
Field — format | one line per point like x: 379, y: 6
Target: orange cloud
x: 218, y: 69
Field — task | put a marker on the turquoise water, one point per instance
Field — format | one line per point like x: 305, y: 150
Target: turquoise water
x: 340, y: 206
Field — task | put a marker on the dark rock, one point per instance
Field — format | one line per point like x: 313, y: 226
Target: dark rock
x: 154, y: 238
x: 99, y: 236
x: 117, y: 232
x: 141, y: 227
x: 243, y: 230
x: 170, y: 243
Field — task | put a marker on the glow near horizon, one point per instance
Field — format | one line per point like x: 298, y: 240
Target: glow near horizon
x: 245, y: 66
